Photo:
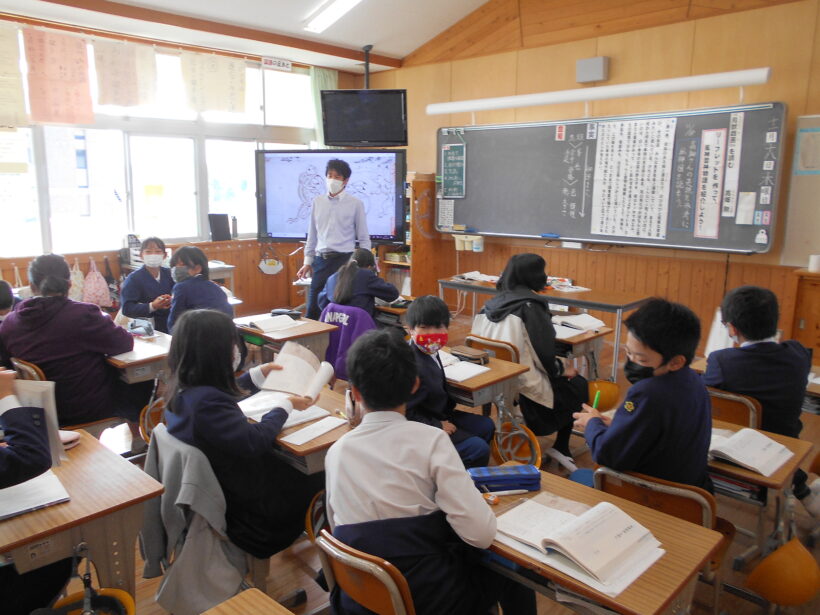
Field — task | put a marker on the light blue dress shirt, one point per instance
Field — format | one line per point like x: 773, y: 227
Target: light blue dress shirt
x: 336, y: 223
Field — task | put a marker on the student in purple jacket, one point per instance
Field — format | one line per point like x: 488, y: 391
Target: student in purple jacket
x: 357, y: 284
x: 70, y: 342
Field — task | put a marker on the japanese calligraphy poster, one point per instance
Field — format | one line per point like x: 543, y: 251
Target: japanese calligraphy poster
x: 58, y: 77
x: 214, y: 83
x: 126, y: 73
x: 632, y: 177
x: 12, y: 103
x: 732, y: 179
x: 710, y: 183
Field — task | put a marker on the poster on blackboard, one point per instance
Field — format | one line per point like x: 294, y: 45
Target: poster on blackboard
x: 453, y: 170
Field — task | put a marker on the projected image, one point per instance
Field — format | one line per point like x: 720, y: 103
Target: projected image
x: 294, y: 179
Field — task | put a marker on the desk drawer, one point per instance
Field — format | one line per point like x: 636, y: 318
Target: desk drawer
x: 472, y: 399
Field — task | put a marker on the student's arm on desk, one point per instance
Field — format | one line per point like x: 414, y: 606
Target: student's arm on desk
x: 622, y: 444
x: 456, y: 495
x: 381, y: 288
x: 98, y: 333
x: 27, y: 454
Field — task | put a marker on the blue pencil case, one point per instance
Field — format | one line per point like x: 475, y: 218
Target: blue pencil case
x: 504, y: 478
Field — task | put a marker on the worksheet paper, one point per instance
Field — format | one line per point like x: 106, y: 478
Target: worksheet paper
x: 311, y: 432
x: 39, y: 492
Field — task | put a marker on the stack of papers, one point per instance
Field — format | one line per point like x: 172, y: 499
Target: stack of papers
x: 269, y: 324
x: 581, y: 322
x: 39, y: 492
x: 311, y: 432
x: 464, y: 370
x: 479, y: 277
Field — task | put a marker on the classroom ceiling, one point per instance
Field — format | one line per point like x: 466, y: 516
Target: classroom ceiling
x: 394, y: 27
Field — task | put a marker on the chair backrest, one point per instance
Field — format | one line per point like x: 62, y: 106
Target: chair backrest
x: 351, y: 322
x: 735, y: 408
x: 497, y: 348
x: 369, y: 580
x: 27, y: 371
x: 610, y: 394
x: 316, y: 516
x: 150, y: 416
x: 677, y: 499
x: 787, y: 576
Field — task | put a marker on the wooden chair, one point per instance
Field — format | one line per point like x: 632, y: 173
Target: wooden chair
x: 787, y: 576
x: 369, y: 580
x: 735, y: 408
x: 495, y: 348
x: 679, y: 500
x: 150, y: 416
x: 29, y: 371
x: 610, y: 394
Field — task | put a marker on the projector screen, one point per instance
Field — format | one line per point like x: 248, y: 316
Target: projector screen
x: 288, y: 181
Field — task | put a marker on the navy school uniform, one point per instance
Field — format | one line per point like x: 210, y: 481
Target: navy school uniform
x: 197, y: 293
x: 266, y: 498
x: 140, y: 288
x: 367, y: 285
x: 431, y: 404
x: 662, y: 429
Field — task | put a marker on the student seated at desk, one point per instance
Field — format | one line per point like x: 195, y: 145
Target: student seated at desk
x: 775, y: 374
x: 357, y: 284
x: 70, y: 341
x: 397, y: 489
x: 551, y: 391
x: 25, y: 454
x: 266, y: 498
x: 7, y: 299
x: 427, y: 319
x: 193, y: 289
x: 664, y: 426
x: 146, y: 292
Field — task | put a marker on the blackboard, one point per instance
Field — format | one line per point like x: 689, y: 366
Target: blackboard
x: 705, y: 179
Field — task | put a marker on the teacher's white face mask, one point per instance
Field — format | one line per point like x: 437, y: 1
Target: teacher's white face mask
x: 334, y: 186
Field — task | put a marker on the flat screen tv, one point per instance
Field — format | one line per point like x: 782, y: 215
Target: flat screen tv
x: 364, y: 118
x: 288, y: 180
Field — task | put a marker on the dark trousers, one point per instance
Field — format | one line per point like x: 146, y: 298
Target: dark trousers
x: 323, y: 268
x: 22, y: 593
x: 474, y: 450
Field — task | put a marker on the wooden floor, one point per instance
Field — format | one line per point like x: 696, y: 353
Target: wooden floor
x: 296, y: 566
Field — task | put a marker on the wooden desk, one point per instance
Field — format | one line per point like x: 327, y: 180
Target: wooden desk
x: 604, y: 301
x: 666, y: 587
x: 699, y: 365
x: 310, y: 457
x: 249, y: 602
x: 779, y: 482
x: 145, y: 361
x: 392, y: 315
x: 105, y: 511
x: 313, y: 335
x: 587, y: 344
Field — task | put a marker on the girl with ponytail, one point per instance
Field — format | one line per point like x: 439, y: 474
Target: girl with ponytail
x: 357, y: 284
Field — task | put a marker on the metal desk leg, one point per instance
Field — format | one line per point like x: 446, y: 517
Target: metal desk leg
x: 619, y: 314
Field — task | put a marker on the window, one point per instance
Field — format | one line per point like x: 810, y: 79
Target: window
x: 86, y: 188
x: 163, y: 179
x: 20, y: 233
x: 288, y: 100
x: 232, y: 181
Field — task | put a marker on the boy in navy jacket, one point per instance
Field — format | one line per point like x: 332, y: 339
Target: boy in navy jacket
x: 773, y: 373
x: 664, y: 426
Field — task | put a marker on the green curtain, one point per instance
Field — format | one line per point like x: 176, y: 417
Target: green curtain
x: 321, y: 79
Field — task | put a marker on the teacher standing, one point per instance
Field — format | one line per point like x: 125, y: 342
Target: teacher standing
x: 337, y: 222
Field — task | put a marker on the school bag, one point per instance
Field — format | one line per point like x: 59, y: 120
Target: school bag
x: 77, y: 282
x: 113, y: 285
x: 95, y: 289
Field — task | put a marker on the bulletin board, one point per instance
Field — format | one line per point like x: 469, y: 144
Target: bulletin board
x: 706, y: 179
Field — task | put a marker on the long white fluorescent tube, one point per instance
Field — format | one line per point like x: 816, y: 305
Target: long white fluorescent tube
x: 752, y: 76
x: 329, y: 15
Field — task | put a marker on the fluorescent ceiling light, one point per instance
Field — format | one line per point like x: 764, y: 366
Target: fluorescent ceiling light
x: 753, y: 76
x: 329, y: 15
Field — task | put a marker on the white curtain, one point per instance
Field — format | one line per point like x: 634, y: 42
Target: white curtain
x: 321, y: 79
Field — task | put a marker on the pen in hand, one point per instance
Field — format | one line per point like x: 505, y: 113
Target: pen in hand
x: 597, y: 398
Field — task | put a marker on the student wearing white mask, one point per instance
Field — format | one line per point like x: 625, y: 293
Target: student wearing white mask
x: 337, y: 222
x: 146, y: 293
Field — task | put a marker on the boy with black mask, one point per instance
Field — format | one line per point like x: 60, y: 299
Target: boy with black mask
x: 664, y: 426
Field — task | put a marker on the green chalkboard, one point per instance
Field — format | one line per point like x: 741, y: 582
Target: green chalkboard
x: 453, y: 166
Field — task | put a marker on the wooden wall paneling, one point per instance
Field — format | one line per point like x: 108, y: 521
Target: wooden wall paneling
x: 644, y: 55
x: 425, y: 240
x: 424, y: 85
x: 813, y: 85
x: 484, y: 77
x: 546, y: 22
x: 710, y: 8
x: 549, y: 69
x: 351, y: 81
x: 492, y: 28
x: 22, y: 262
x: 382, y: 80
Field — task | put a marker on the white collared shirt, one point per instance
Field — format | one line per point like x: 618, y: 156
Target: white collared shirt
x: 7, y: 403
x: 336, y: 223
x: 389, y: 467
x: 773, y: 338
